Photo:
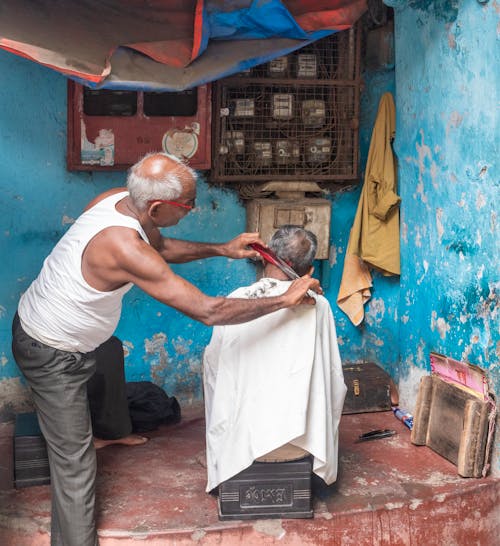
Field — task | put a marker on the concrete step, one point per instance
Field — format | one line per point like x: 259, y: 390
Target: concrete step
x: 388, y: 492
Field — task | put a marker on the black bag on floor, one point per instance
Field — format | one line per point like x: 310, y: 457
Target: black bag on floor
x: 150, y: 406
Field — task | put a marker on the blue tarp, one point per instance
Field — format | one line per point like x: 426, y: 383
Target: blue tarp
x: 169, y: 45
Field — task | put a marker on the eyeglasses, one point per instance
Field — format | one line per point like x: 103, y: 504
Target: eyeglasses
x: 174, y: 203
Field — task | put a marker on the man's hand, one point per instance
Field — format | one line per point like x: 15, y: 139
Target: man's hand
x: 238, y: 247
x: 297, y: 293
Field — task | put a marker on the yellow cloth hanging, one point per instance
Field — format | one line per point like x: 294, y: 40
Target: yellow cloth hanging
x: 374, y: 237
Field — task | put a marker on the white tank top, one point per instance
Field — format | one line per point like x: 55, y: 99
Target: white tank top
x: 60, y: 308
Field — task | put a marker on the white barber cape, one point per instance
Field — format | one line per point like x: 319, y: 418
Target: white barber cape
x: 271, y: 381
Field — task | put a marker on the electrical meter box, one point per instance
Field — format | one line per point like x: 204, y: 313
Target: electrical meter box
x: 267, y: 215
x: 278, y: 68
x: 309, y: 98
x: 111, y: 129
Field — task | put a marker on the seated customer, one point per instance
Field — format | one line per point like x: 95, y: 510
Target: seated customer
x: 277, y: 380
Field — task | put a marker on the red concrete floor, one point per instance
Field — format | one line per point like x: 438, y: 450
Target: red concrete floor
x: 389, y: 492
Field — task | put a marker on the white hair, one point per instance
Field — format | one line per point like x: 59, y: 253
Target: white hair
x: 143, y: 189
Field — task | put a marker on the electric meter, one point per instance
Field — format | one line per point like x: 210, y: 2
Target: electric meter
x: 244, y: 108
x: 278, y: 68
x: 282, y: 106
x: 287, y: 152
x: 235, y: 142
x: 307, y: 66
x: 313, y: 113
x: 263, y: 153
x: 318, y: 150
x: 294, y: 120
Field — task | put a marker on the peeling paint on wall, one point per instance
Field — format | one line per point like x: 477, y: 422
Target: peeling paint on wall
x: 454, y: 121
x: 404, y: 232
x: 439, y: 223
x: 375, y: 311
x: 128, y: 347
x: 439, y: 324
x: 181, y: 345
x: 447, y: 131
x: 408, y: 384
x: 424, y: 152
x: 157, y: 356
x: 332, y: 255
x: 16, y: 398
x: 480, y: 201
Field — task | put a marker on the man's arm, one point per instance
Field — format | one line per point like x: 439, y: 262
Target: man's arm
x: 177, y: 251
x: 141, y: 264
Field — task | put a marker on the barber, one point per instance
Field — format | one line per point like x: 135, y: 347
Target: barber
x: 74, y: 305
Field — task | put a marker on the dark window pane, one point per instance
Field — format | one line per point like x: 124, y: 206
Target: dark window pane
x: 182, y: 103
x: 106, y: 102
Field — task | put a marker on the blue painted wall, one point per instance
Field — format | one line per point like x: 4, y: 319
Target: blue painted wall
x: 447, y: 144
x: 40, y: 199
x: 376, y: 339
x: 448, y: 136
x: 447, y: 81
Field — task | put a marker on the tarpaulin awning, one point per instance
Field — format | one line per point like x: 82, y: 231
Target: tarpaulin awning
x: 165, y: 45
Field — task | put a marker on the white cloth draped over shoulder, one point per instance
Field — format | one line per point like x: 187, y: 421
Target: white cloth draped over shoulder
x: 271, y: 381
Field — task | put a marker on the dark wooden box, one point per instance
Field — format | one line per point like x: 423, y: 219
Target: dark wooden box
x: 31, y: 465
x: 268, y: 490
x: 368, y: 388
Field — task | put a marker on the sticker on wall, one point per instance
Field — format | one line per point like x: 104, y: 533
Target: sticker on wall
x: 101, y: 152
x: 182, y: 143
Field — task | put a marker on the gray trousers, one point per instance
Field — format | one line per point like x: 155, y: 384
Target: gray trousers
x: 58, y: 380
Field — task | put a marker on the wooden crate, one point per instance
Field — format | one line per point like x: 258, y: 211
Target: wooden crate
x: 454, y: 423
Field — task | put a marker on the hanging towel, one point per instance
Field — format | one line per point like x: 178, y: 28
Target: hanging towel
x: 374, y: 237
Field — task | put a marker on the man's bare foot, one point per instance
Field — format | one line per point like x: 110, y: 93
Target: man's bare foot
x: 130, y: 440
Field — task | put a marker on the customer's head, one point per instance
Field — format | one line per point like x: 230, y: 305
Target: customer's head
x: 295, y: 245
x: 160, y: 176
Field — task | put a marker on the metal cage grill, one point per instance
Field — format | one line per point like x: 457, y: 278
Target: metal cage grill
x: 294, y: 118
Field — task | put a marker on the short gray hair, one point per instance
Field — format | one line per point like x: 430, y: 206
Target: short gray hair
x: 295, y: 245
x: 143, y: 189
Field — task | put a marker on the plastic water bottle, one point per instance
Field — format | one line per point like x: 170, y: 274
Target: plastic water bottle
x: 404, y: 416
